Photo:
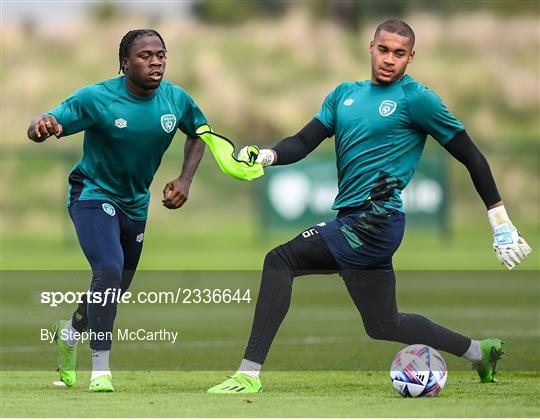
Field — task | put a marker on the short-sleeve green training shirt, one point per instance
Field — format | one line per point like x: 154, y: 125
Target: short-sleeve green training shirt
x: 380, y: 133
x: 125, y: 137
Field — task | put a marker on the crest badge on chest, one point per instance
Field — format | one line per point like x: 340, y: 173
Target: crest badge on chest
x: 387, y: 108
x: 168, y: 122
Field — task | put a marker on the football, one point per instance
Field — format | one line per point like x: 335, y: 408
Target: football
x: 418, y: 371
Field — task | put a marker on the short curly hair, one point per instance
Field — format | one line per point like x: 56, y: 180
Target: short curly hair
x: 129, y: 39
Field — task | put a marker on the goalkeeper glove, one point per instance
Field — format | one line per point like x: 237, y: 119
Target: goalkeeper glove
x: 252, y: 154
x: 223, y: 150
x: 510, y: 248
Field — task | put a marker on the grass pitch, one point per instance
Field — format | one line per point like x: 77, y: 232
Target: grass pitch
x: 285, y: 394
x: 322, y: 363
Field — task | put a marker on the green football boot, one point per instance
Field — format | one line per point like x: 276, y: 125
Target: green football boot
x: 492, y: 352
x: 102, y: 383
x: 67, y: 356
x: 239, y: 383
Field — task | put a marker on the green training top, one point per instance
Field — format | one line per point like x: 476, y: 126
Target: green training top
x: 125, y: 137
x: 380, y: 132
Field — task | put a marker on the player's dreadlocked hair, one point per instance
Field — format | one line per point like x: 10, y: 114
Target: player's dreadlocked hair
x: 395, y: 26
x: 129, y: 39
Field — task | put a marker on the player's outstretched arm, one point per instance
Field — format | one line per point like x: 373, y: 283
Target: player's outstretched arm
x: 176, y: 192
x: 42, y: 127
x: 291, y: 149
x: 511, y: 249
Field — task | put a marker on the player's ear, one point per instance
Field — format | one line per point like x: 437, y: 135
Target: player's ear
x: 124, y: 65
x: 371, y: 46
x: 411, y: 57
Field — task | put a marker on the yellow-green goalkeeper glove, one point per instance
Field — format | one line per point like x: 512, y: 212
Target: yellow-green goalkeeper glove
x: 265, y: 157
x: 223, y: 150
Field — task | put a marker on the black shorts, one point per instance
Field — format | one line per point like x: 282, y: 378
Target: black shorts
x: 358, y: 245
x: 363, y: 239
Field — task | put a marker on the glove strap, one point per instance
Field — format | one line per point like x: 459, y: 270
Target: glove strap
x: 497, y: 216
x: 266, y: 157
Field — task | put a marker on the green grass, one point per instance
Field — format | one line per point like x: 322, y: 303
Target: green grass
x: 242, y: 246
x: 286, y: 394
x: 321, y: 364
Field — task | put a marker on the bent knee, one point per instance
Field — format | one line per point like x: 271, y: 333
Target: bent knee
x: 274, y: 260
x: 106, y: 276
x: 383, y: 331
x: 375, y: 333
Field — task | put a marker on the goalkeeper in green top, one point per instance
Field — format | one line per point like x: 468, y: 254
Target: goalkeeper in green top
x: 128, y: 123
x: 380, y: 128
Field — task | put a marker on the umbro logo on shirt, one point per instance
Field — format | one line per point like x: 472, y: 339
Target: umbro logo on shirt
x: 120, y: 123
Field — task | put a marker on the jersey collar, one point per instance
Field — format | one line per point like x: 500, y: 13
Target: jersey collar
x: 395, y: 82
x: 135, y: 97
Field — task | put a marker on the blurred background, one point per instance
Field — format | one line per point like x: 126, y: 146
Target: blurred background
x: 260, y: 70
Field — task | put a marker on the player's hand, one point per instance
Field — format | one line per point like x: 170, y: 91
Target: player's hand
x: 175, y: 193
x: 248, y: 154
x: 44, y: 127
x: 251, y: 154
x: 511, y: 249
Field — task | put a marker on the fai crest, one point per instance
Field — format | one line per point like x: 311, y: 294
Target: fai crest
x: 108, y: 208
x: 387, y: 107
x: 168, y: 122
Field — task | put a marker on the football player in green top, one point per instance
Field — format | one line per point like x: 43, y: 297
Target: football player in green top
x: 380, y: 127
x: 128, y: 123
